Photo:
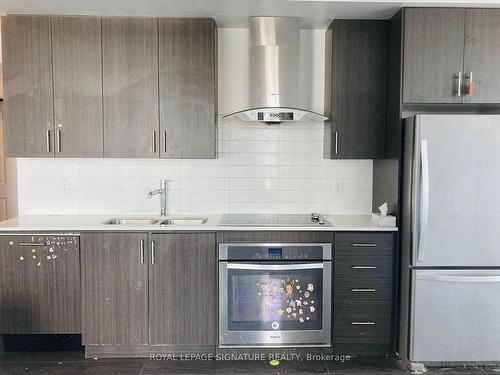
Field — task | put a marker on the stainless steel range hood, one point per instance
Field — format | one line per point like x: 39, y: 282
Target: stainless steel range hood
x: 274, y: 72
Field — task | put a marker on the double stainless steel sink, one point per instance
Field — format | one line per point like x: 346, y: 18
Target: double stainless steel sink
x: 156, y: 221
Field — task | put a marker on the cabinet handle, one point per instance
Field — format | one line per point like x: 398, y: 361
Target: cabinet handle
x: 336, y: 143
x: 358, y: 244
x: 363, y: 290
x: 142, y: 251
x: 154, y: 142
x: 364, y: 267
x: 164, y: 141
x: 459, y: 84
x: 32, y: 244
x: 355, y: 323
x: 153, y: 250
x: 48, y: 140
x: 58, y: 140
x: 471, y: 87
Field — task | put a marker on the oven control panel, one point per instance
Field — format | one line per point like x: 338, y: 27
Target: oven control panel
x: 275, y: 251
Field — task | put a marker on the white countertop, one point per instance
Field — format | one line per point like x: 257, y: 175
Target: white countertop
x: 79, y: 223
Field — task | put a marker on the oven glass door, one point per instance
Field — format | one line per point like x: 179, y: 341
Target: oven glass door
x: 267, y: 297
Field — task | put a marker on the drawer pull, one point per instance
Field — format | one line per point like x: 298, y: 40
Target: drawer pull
x: 362, y: 323
x: 32, y: 244
x: 356, y: 244
x: 362, y: 290
x: 364, y: 267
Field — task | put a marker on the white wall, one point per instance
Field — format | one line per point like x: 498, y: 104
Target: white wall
x: 260, y: 169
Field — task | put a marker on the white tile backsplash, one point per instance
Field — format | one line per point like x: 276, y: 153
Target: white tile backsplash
x: 258, y: 173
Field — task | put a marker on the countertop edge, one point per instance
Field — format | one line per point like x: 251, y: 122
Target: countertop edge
x: 93, y: 223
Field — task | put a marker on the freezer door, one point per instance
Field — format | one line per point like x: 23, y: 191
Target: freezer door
x: 456, y: 316
x: 456, y: 190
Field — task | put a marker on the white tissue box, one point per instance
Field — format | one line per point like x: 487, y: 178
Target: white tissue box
x: 383, y: 221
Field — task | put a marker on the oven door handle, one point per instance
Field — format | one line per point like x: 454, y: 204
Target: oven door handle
x: 274, y: 267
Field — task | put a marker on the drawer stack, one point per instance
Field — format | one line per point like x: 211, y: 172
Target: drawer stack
x: 363, y: 293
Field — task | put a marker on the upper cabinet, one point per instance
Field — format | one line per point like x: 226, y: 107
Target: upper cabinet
x: 188, y: 87
x: 433, y: 55
x: 76, y: 45
x: 482, y: 56
x: 92, y: 87
x: 27, y: 80
x: 130, y: 87
x: 451, y: 56
x: 355, y: 89
x: 52, y: 84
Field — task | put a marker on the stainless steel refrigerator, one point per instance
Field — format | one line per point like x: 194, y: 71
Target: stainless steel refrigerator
x: 450, y: 281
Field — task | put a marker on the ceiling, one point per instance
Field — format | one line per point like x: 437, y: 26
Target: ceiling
x: 232, y: 13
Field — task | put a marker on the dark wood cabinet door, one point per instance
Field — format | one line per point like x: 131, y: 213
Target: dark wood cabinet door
x: 130, y: 87
x: 115, y: 288
x: 433, y: 54
x: 183, y: 289
x: 188, y: 87
x: 356, y: 129
x: 482, y: 55
x: 40, y: 284
x: 27, y: 82
x: 76, y: 45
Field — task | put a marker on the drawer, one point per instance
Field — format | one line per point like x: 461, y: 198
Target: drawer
x: 355, y: 243
x: 363, y: 266
x: 362, y: 322
x: 362, y: 289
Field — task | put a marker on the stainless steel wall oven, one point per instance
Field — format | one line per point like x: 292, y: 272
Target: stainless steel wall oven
x: 275, y: 294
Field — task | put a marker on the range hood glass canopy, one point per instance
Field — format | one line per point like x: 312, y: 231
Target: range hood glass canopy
x: 274, y: 72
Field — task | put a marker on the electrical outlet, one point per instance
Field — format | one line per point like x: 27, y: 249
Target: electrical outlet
x: 338, y: 186
x: 64, y: 185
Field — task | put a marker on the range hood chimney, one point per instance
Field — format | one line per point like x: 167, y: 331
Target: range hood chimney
x: 274, y: 72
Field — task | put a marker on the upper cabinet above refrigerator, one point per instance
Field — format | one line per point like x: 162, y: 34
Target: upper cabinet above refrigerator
x: 482, y: 56
x: 451, y: 56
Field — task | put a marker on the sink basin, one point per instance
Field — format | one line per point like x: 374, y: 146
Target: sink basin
x: 131, y: 221
x: 184, y: 221
x: 152, y: 221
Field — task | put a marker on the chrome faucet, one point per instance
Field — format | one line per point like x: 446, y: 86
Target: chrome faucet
x: 163, y: 196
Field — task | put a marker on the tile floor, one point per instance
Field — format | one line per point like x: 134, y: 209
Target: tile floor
x: 74, y: 363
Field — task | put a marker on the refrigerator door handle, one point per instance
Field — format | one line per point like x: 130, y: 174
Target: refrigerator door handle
x: 461, y: 279
x: 424, y: 199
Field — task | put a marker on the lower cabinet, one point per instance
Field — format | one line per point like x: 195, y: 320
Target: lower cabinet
x: 115, y: 288
x: 182, y: 289
x: 39, y: 284
x: 363, y: 293
x: 149, y: 289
